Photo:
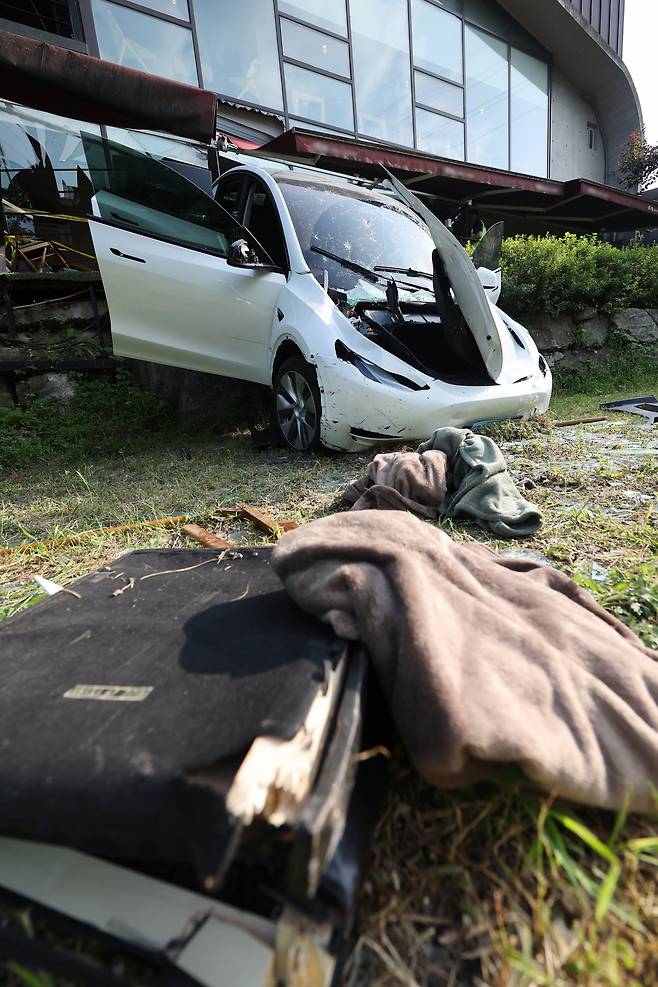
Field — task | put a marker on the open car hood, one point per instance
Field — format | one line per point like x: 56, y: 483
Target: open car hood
x: 468, y: 291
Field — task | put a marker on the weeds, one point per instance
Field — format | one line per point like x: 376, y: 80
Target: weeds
x: 103, y: 418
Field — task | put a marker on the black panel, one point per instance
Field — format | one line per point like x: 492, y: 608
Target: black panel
x: 227, y: 657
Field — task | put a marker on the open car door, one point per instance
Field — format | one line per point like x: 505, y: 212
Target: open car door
x: 163, y: 246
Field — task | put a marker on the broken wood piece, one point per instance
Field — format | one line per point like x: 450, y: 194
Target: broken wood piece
x: 204, y: 537
x: 276, y: 776
x: 257, y: 517
x: 264, y: 521
x: 578, y: 421
x: 260, y: 519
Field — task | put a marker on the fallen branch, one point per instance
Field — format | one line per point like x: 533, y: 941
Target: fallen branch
x: 29, y: 547
x: 579, y: 421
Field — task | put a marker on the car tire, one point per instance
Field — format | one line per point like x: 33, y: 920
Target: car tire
x: 297, y: 405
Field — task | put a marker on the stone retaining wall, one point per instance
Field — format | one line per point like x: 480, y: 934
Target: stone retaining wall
x: 579, y: 341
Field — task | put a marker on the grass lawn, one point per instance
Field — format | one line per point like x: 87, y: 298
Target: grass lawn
x: 493, y: 885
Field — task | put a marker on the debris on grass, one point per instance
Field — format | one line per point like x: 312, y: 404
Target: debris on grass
x: 486, y: 886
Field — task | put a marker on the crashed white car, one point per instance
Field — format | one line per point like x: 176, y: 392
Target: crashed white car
x: 354, y: 304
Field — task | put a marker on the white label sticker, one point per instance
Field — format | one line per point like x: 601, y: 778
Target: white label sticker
x: 111, y: 693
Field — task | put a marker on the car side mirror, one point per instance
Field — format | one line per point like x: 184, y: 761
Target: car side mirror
x: 240, y: 254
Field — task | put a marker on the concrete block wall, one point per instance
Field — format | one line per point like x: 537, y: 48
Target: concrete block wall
x: 582, y: 341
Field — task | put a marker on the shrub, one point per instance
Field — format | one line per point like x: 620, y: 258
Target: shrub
x: 554, y: 275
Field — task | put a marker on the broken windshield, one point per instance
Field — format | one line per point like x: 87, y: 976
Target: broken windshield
x: 354, y: 224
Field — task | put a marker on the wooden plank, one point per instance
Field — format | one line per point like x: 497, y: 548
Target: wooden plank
x: 259, y: 518
x: 205, y: 537
x: 263, y: 521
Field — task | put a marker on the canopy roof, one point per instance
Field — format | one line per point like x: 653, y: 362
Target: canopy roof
x: 579, y: 205
x: 47, y: 77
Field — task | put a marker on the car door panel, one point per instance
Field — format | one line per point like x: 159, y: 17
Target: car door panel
x: 182, y: 307
x: 162, y: 246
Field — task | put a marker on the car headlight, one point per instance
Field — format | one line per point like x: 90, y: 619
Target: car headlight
x: 373, y: 372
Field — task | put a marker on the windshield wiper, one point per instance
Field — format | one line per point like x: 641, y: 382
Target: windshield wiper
x: 366, y: 272
x: 352, y: 265
x: 409, y: 271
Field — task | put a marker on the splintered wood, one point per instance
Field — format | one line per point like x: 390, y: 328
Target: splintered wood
x: 276, y: 776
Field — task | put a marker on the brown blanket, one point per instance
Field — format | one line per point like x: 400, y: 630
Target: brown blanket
x: 454, y: 473
x: 485, y: 660
x: 402, y: 481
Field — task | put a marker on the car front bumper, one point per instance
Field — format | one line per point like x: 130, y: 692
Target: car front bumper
x: 358, y: 412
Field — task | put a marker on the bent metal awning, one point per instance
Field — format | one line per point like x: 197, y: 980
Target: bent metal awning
x: 47, y: 77
x: 579, y: 205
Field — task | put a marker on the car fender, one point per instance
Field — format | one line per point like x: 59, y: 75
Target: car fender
x: 311, y: 320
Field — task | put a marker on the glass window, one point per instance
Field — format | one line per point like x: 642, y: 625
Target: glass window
x: 177, y: 8
x: 356, y: 224
x: 454, y: 5
x: 439, y: 95
x: 439, y: 135
x: 146, y: 43
x: 141, y: 193
x: 262, y: 221
x: 53, y: 18
x: 487, y: 77
x: 307, y: 45
x: 229, y: 195
x: 161, y: 145
x: 380, y: 48
x: 42, y: 161
x: 238, y: 49
x: 437, y: 40
x: 489, y: 15
x: 319, y: 98
x: 529, y: 123
x: 305, y: 125
x: 330, y: 15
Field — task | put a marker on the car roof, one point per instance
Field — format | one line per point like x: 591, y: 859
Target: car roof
x: 327, y: 182
x: 278, y: 167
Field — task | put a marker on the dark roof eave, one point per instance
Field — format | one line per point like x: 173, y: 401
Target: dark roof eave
x: 578, y: 204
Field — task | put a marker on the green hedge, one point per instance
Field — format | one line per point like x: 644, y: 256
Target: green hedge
x: 561, y: 274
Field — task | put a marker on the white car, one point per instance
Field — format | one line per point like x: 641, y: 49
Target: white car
x: 354, y: 304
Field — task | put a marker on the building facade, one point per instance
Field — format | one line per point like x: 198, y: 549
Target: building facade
x: 607, y: 19
x: 533, y: 88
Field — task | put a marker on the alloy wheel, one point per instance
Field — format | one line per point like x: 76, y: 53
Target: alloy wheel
x: 296, y: 410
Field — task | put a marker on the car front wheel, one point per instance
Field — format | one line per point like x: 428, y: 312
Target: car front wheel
x: 297, y: 405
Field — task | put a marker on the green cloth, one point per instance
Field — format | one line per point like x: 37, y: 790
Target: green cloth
x: 479, y: 486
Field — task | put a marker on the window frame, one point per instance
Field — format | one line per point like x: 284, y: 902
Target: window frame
x: 242, y: 180
x: 163, y: 238
x: 254, y: 182
x: 286, y: 116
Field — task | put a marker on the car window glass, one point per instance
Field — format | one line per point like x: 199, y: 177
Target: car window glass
x: 229, y: 195
x: 143, y: 194
x: 358, y: 225
x: 262, y: 221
